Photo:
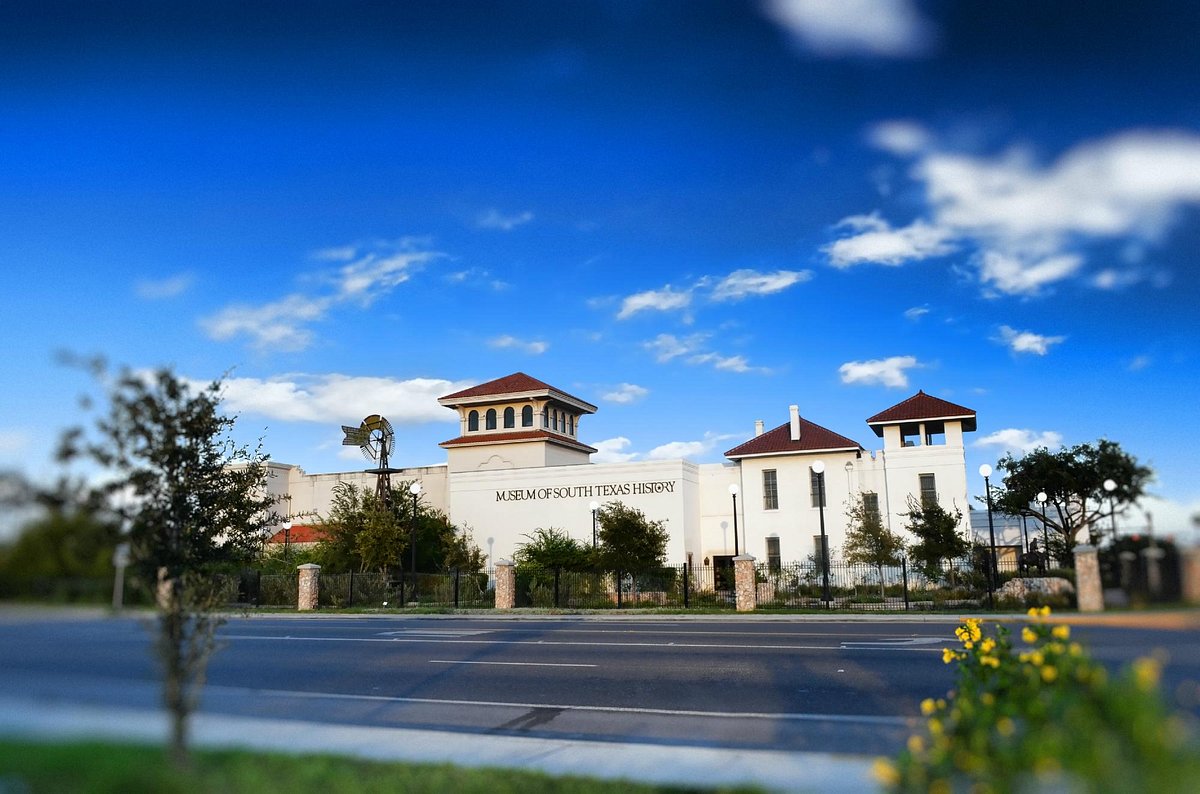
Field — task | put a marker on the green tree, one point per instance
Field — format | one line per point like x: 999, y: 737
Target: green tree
x: 938, y: 538
x: 194, y: 501
x: 630, y: 542
x: 1073, y: 480
x: 66, y: 542
x: 553, y: 548
x: 868, y: 541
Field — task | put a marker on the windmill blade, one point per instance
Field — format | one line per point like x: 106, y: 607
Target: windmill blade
x: 355, y: 436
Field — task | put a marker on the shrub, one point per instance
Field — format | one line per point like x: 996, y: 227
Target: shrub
x: 1044, y: 717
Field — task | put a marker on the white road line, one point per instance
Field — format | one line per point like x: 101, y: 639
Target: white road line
x: 587, y: 644
x: 510, y: 664
x: 868, y: 719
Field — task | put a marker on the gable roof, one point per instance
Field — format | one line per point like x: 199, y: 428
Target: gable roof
x: 813, y: 438
x: 516, y: 385
x: 920, y: 407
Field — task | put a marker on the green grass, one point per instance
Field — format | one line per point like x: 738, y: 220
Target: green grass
x: 104, y: 768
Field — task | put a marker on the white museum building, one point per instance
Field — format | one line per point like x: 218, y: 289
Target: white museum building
x: 517, y: 464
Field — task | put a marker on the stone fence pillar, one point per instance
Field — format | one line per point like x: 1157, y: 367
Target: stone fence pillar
x: 1088, y: 587
x: 506, y: 585
x: 745, y: 587
x: 1189, y: 563
x: 310, y: 586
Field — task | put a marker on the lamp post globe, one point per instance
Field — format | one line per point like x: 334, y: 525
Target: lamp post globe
x: 1110, y: 485
x: 733, y: 492
x: 985, y: 471
x: 1042, y: 499
x: 818, y: 468
x: 287, y: 537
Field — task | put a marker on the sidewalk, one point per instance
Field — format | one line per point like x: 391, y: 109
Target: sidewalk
x: 649, y: 763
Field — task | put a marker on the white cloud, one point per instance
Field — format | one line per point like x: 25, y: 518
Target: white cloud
x: 742, y: 283
x: 624, y: 394
x: 369, y: 272
x: 494, y: 219
x: 668, y: 346
x: 1023, y: 441
x: 161, y: 289
x: 610, y: 451
x: 533, y: 347
x: 277, y: 326
x: 901, y: 138
x: 1028, y: 221
x: 878, y: 243
x: 916, y: 312
x: 888, y: 372
x: 1014, y: 276
x: 665, y: 299
x: 830, y: 28
x: 1027, y: 341
x: 340, y: 399
x: 1139, y: 363
x: 726, y: 363
x: 678, y: 449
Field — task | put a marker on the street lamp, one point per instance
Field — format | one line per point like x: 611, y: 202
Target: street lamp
x: 985, y: 471
x: 1110, y: 485
x: 415, y: 490
x: 818, y: 468
x: 1042, y: 498
x: 287, y: 537
x: 594, y: 507
x: 733, y: 491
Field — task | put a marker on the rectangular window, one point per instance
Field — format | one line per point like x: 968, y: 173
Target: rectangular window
x: 928, y: 489
x: 774, y: 560
x: 817, y: 547
x: 818, y: 491
x: 871, y: 505
x: 770, y: 490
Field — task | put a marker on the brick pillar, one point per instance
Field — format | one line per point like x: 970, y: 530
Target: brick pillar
x: 506, y: 585
x: 744, y: 583
x: 1088, y: 587
x: 1189, y: 563
x: 310, y: 586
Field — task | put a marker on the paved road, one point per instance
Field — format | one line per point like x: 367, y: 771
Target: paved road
x: 843, y: 687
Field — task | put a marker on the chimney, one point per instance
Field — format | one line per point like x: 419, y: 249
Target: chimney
x: 795, y: 411
x: 758, y: 428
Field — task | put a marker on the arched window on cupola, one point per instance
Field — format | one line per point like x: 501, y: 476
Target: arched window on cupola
x: 510, y: 417
x: 571, y: 425
x: 473, y: 422
x: 490, y: 419
x: 545, y: 417
x: 527, y: 416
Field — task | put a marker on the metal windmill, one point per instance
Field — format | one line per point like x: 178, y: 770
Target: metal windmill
x: 376, y: 439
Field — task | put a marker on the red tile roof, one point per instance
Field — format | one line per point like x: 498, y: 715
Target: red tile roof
x: 516, y: 382
x: 919, y: 407
x: 779, y: 441
x: 300, y: 533
x: 518, y: 436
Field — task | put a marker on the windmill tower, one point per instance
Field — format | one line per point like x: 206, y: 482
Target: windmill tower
x: 376, y: 440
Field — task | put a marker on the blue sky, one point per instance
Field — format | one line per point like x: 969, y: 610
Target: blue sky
x: 691, y: 214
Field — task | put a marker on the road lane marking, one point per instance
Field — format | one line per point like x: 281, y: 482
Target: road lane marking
x: 433, y: 633
x: 895, y: 643
x: 510, y: 664
x: 865, y: 719
x: 566, y: 643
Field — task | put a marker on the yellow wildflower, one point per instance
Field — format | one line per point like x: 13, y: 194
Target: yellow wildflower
x: 1023, y: 657
x: 1005, y: 726
x: 1029, y: 635
x: 1033, y: 612
x: 968, y: 645
x: 1044, y: 611
x: 949, y: 656
x: 1037, y: 658
x: 1061, y: 632
x: 987, y: 699
x: 987, y: 645
x: 1146, y: 672
x: 941, y: 703
x: 1049, y: 673
x: 973, y: 629
x: 885, y: 772
x: 928, y: 706
x: 935, y: 727
x: 1075, y: 649
x: 990, y: 661
x: 916, y: 745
